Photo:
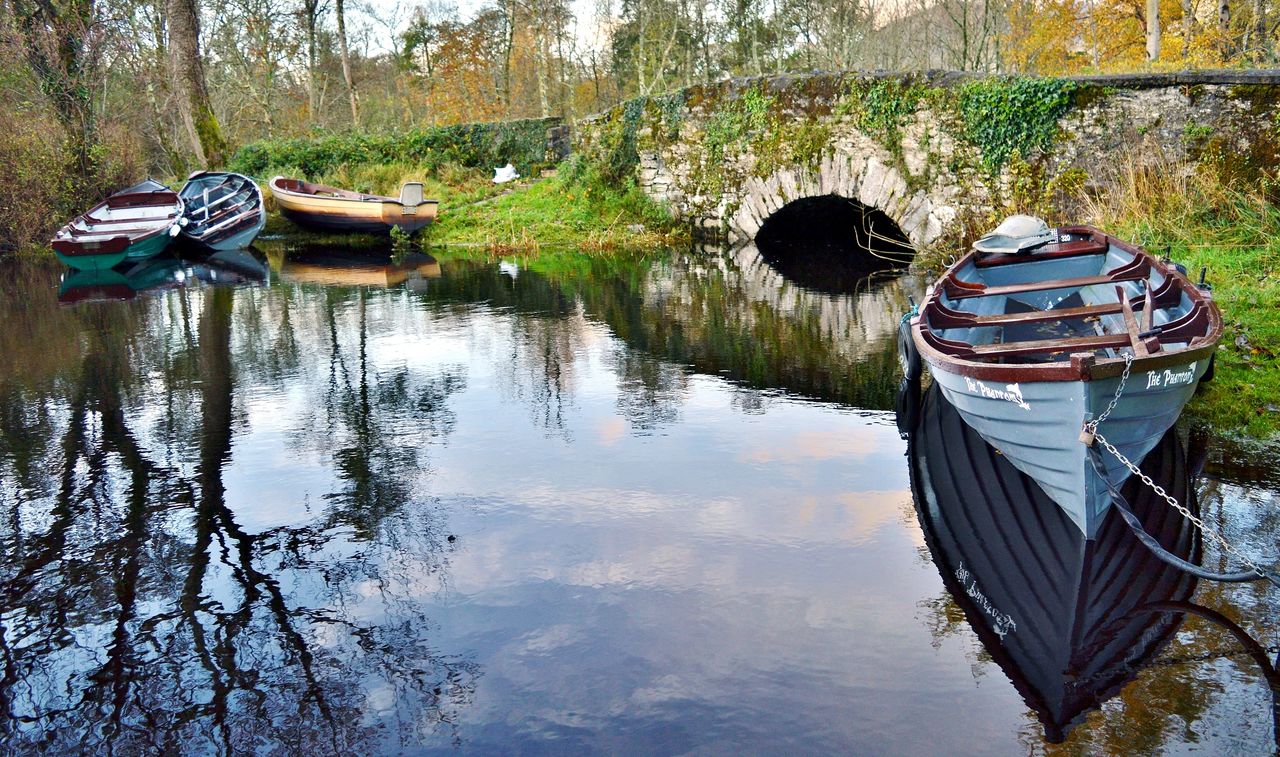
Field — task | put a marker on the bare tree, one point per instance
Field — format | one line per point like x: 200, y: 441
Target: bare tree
x: 1153, y: 30
x: 1188, y: 28
x: 312, y: 10
x: 354, y: 99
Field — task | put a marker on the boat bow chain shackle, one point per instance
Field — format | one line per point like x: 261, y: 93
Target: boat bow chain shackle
x: 1090, y: 432
x: 1090, y: 429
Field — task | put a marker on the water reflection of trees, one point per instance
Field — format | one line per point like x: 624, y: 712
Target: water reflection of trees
x: 140, y: 615
x: 720, y: 313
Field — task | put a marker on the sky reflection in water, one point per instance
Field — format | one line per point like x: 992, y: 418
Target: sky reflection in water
x: 631, y: 507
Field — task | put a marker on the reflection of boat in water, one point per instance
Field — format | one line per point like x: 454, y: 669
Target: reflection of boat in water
x: 338, y: 269
x: 227, y: 268
x: 1070, y: 621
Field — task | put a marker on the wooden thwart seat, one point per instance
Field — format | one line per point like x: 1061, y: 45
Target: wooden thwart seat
x: 944, y: 317
x: 1077, y: 248
x: 958, y: 289
x: 1045, y: 346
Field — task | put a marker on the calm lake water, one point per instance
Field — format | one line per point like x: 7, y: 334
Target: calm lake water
x: 311, y: 503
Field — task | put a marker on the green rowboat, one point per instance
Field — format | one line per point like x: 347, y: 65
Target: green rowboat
x: 131, y: 225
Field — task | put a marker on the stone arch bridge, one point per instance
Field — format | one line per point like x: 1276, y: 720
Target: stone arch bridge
x: 939, y: 154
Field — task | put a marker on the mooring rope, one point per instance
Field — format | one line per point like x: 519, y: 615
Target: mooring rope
x: 1254, y: 573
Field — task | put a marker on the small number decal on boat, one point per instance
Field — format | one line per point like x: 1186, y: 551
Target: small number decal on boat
x: 1010, y: 392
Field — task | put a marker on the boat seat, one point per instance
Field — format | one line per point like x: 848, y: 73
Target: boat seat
x: 1045, y: 346
x: 411, y: 194
x: 1078, y: 248
x: 958, y: 289
x: 943, y: 317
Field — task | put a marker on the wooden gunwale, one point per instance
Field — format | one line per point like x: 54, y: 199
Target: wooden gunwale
x: 305, y: 190
x: 972, y: 360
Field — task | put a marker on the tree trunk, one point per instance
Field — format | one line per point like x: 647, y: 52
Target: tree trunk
x: 1224, y: 24
x: 1188, y: 27
x: 544, y: 100
x: 508, y: 48
x: 1153, y: 30
x: 346, y: 63
x: 188, y: 70
x: 1258, y: 46
x: 312, y: 10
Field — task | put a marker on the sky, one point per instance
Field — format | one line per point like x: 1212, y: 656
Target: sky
x: 583, y: 10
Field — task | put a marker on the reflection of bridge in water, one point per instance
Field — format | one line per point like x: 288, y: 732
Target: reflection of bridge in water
x: 737, y: 314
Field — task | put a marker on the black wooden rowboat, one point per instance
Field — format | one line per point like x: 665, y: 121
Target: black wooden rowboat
x: 1069, y: 620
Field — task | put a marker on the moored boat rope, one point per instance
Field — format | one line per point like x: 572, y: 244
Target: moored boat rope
x: 1136, y: 525
x: 1254, y: 571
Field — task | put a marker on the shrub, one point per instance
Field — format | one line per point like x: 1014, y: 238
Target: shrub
x: 523, y: 143
x: 1007, y: 116
x: 41, y: 191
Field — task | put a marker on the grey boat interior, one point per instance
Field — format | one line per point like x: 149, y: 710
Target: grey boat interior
x: 1068, y: 290
x: 219, y: 205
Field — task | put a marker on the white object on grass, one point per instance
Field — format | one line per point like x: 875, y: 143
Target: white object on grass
x: 505, y: 174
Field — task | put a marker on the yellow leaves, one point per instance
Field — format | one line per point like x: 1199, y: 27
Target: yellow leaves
x: 1063, y: 37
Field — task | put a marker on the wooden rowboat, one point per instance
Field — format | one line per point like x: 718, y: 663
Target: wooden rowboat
x: 331, y: 209
x: 1031, y: 334
x: 134, y: 224
x: 222, y: 211
x: 1071, y: 621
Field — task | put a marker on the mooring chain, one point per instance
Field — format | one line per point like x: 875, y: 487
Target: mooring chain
x: 1090, y: 432
x: 1186, y: 512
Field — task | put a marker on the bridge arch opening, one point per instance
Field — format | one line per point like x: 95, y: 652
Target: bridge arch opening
x: 830, y: 243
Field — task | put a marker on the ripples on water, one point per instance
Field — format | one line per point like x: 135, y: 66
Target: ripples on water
x: 626, y: 507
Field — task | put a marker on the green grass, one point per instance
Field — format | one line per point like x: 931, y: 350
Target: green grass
x: 1234, y: 233
x: 560, y: 213
x: 573, y: 210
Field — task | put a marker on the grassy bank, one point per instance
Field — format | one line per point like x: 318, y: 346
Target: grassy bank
x: 1206, y: 222
x: 569, y: 209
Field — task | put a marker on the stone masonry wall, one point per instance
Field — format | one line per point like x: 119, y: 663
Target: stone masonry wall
x: 728, y: 155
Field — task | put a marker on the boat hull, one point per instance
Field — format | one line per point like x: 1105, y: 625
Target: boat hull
x: 142, y: 249
x: 322, y: 217
x: 330, y: 209
x: 238, y: 241
x: 1036, y: 426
